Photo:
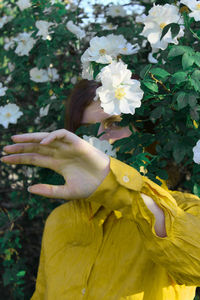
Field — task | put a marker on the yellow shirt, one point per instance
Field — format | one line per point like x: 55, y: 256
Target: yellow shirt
x: 105, y: 247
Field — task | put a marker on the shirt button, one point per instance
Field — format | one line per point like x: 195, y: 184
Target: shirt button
x: 125, y: 178
x: 83, y: 291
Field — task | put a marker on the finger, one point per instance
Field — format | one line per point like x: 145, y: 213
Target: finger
x: 50, y: 191
x: 29, y: 137
x: 31, y: 159
x: 61, y: 134
x: 28, y: 148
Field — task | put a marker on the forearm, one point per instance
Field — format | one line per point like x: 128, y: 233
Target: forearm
x: 158, y: 213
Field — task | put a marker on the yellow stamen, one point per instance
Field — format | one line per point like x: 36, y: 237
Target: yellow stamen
x: 120, y: 93
x: 117, y: 10
x: 198, y: 6
x: 8, y: 115
x: 125, y: 49
x: 162, y: 25
x: 50, y: 92
x: 35, y: 88
x: 184, y: 9
x: 102, y: 51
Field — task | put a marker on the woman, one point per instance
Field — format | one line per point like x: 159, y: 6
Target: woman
x: 122, y: 236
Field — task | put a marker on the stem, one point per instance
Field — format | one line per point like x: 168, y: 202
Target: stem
x: 160, y: 82
x: 185, y: 16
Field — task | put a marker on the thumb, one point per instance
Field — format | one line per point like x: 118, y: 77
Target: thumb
x: 50, y: 191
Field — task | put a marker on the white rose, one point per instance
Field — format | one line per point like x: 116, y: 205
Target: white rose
x: 118, y: 93
x: 43, y: 27
x: 116, y: 11
x: 140, y: 19
x: 152, y: 59
x: 9, y: 78
x: 138, y: 9
x: 11, y: 66
x: 74, y: 80
x: 39, y: 75
x: 4, y: 20
x: 194, y: 6
x: 109, y: 26
x: 106, y: 48
x: 25, y: 43
x: 101, y: 145
x: 159, y: 16
x: 2, y: 90
x: 9, y: 43
x: 9, y: 114
x: 23, y: 4
x: 44, y: 110
x: 87, y: 71
x: 75, y: 30
x: 196, y: 151
x: 53, y: 74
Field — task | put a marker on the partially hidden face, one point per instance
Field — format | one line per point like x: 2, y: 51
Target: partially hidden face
x: 109, y: 123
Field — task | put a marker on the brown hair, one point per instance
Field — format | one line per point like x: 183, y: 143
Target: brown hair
x: 81, y: 96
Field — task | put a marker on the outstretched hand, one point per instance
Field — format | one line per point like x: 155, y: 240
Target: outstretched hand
x: 82, y: 166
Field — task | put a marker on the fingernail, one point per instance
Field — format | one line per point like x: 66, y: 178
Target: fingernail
x: 43, y: 141
x: 29, y: 189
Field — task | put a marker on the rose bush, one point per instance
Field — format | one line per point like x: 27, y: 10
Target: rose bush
x: 45, y: 47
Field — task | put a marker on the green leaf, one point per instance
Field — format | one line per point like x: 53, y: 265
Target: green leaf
x: 195, y: 80
x: 197, y: 59
x: 144, y: 72
x: 162, y: 174
x: 7, y: 277
x: 21, y: 273
x: 178, y: 154
x: 196, y: 189
x: 179, y: 50
x: 182, y: 100
x: 160, y: 72
x: 179, y: 77
x: 196, y: 75
x: 187, y: 61
x: 91, y: 129
x: 156, y: 114
x: 165, y: 30
x: 96, y: 68
x: 175, y: 28
x: 194, y: 113
x: 192, y: 100
x: 151, y: 85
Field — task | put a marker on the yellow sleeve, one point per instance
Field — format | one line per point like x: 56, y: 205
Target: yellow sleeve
x: 39, y: 293
x: 179, y: 251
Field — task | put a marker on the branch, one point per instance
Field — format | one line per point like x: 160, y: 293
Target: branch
x: 160, y: 82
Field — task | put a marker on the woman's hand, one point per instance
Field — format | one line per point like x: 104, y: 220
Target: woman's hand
x: 82, y: 166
